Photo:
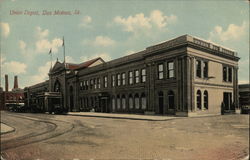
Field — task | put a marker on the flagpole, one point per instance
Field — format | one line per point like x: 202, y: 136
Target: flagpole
x: 64, y: 52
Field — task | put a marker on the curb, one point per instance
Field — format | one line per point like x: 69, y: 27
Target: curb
x: 127, y: 118
x: 12, y: 129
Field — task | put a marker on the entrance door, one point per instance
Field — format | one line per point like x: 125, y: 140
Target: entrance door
x: 104, y: 105
x: 227, y: 99
x: 161, y: 104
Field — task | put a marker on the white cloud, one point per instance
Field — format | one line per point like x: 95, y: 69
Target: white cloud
x: 85, y: 22
x: 129, y: 52
x: 139, y: 22
x: 69, y: 59
x: 104, y: 56
x: 5, y: 29
x: 233, y: 32
x: 243, y: 82
x: 44, y: 45
x: 41, y: 33
x: 103, y: 41
x: 14, y: 67
x: 22, y: 45
x: 42, y: 73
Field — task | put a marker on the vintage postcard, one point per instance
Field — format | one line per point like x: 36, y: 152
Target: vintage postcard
x: 117, y: 79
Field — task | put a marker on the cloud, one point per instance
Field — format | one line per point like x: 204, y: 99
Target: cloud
x: 139, y: 22
x: 233, y: 32
x: 5, y: 29
x: 104, y: 56
x: 44, y: 45
x: 69, y: 59
x: 243, y: 82
x: 14, y: 67
x: 41, y: 33
x: 85, y: 22
x: 103, y: 41
x: 22, y: 45
x: 42, y: 73
x: 129, y: 52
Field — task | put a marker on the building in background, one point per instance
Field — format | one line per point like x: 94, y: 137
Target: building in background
x: 185, y: 76
x: 11, y: 97
x: 244, y: 99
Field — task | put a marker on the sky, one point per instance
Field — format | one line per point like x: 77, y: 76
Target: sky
x: 111, y: 29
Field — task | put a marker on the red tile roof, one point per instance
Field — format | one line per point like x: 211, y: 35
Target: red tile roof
x: 86, y: 64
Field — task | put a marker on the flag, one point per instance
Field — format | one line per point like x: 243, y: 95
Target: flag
x: 50, y: 51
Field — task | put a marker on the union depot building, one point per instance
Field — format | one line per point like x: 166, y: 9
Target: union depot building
x: 185, y: 76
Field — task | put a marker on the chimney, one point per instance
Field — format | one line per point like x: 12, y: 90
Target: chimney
x: 15, y: 82
x: 6, y: 83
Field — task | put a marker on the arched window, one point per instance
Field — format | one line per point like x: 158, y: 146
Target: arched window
x: 118, y: 102
x: 137, y: 101
x: 57, y: 86
x: 205, y: 99
x: 198, y: 99
x: 143, y: 101
x: 113, y: 103
x: 171, y: 100
x: 130, y: 99
x: 123, y: 102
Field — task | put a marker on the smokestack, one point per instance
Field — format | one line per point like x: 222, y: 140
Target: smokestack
x: 6, y: 83
x: 15, y: 82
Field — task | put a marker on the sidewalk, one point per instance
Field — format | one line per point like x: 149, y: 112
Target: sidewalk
x: 6, y: 129
x: 124, y: 116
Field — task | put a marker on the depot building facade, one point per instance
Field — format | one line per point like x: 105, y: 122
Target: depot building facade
x: 184, y: 76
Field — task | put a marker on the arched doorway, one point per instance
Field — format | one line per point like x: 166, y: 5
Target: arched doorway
x: 161, y: 102
x: 71, y: 98
x: 171, y: 100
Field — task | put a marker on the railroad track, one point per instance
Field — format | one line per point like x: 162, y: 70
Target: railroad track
x: 58, y: 128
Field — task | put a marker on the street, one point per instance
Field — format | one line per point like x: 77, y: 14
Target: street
x: 49, y: 137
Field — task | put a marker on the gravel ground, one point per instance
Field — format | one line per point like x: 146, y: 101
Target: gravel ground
x: 73, y: 137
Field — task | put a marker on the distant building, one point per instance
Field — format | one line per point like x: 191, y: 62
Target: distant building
x: 244, y: 92
x: 15, y: 96
x: 185, y: 76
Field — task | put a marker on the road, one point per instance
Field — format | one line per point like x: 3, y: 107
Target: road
x: 51, y: 137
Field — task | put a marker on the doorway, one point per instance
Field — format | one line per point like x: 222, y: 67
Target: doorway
x: 71, y: 98
x: 161, y: 102
x: 227, y: 99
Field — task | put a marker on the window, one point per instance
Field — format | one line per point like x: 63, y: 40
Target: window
x: 205, y: 69
x: 84, y: 85
x: 81, y: 86
x: 198, y: 99
x: 95, y: 86
x: 130, y: 100
x: 205, y: 99
x: 105, y: 81
x: 225, y: 74
x: 98, y: 83
x: 171, y: 100
x: 198, y: 68
x: 160, y: 71
x: 229, y: 74
x: 143, y: 75
x: 118, y: 79
x: 123, y: 79
x: 171, y: 69
x: 130, y: 77
x: 113, y: 103
x: 87, y: 85
x: 137, y: 76
x: 113, y: 80
x: 91, y: 83
x: 143, y: 101
x: 118, y: 102
x: 137, y: 101
x: 123, y: 102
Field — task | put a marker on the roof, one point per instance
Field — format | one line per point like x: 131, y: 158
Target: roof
x: 86, y: 64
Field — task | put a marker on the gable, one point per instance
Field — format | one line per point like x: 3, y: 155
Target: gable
x: 99, y: 61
